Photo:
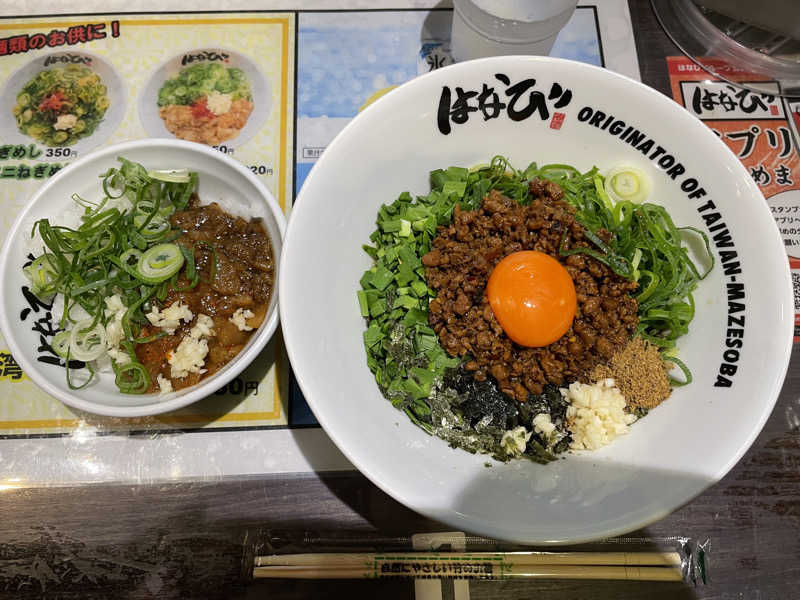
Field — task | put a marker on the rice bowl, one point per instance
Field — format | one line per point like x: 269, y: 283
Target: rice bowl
x: 220, y: 179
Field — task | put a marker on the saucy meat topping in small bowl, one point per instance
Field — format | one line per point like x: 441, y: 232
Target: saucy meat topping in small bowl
x: 234, y: 263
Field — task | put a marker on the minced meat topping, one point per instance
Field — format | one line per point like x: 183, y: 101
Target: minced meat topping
x: 235, y: 262
x: 458, y: 268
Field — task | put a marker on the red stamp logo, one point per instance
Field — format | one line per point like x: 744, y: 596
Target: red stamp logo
x: 557, y: 120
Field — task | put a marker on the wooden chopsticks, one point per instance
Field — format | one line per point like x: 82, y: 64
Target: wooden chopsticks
x: 641, y: 566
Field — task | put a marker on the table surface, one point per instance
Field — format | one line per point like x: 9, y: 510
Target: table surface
x: 182, y: 540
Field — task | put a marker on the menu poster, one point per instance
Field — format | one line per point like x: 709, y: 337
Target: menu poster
x: 762, y: 130
x: 69, y: 86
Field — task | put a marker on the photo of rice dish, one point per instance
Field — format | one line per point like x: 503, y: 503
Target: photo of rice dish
x: 62, y: 105
x: 524, y: 313
x: 207, y: 103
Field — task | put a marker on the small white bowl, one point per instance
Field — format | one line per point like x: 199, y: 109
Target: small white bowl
x: 221, y: 179
x: 685, y: 444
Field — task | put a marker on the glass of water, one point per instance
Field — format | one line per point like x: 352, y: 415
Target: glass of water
x: 501, y: 27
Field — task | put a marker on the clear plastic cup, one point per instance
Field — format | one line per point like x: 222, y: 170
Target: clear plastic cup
x: 502, y: 27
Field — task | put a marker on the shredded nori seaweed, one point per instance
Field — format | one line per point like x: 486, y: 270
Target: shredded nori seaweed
x: 549, y: 401
x: 477, y: 399
x: 474, y: 415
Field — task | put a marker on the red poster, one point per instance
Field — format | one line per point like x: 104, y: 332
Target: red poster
x: 762, y: 130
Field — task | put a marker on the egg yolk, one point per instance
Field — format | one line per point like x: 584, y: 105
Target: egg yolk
x: 532, y: 297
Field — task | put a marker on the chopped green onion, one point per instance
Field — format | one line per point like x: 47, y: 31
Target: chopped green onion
x: 151, y: 338
x: 627, y: 184
x: 171, y: 175
x: 87, y: 340
x: 160, y: 262
x: 362, y: 303
x: 89, y: 287
x: 132, y: 378
x: 109, y: 182
x: 85, y: 383
x: 43, y: 274
x: 130, y: 257
x: 60, y: 343
x: 183, y: 199
x: 151, y: 226
x: 131, y: 312
x: 183, y: 288
x: 687, y: 374
x: 188, y: 255
x: 138, y: 239
x: 214, y: 255
x: 105, y: 255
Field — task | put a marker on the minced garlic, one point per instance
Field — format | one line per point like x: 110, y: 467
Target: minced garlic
x: 596, y: 415
x: 190, y: 355
x: 239, y: 318
x: 543, y: 425
x: 203, y: 327
x: 114, y: 312
x: 164, y: 384
x: 515, y: 440
x: 170, y: 318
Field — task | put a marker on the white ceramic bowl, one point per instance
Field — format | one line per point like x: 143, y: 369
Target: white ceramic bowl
x: 681, y: 447
x: 221, y: 179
